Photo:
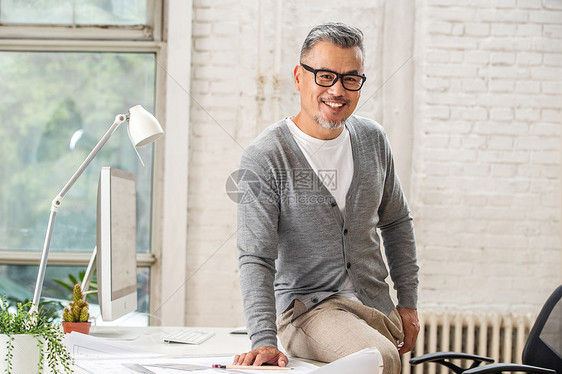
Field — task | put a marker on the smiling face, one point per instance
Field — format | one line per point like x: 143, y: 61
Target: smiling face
x: 325, y: 109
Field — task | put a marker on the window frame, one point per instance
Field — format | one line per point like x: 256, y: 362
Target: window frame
x: 151, y: 31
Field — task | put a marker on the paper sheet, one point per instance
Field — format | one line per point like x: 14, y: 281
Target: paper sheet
x: 367, y: 361
x: 86, y: 346
x: 177, y: 365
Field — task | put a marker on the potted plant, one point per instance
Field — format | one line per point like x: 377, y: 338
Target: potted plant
x: 75, y: 316
x: 30, y: 344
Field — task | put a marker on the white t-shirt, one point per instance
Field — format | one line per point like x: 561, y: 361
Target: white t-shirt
x: 332, y: 161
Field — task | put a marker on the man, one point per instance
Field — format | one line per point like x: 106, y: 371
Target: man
x: 323, y: 182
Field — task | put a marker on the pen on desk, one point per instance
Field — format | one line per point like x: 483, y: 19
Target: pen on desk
x: 249, y: 367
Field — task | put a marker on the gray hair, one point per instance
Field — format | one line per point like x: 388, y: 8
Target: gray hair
x: 340, y: 34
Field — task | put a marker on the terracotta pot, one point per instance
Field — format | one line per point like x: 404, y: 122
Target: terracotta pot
x: 81, y: 327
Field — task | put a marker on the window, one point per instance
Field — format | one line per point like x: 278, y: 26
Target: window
x: 61, y: 90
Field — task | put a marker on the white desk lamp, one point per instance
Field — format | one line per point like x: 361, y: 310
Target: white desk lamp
x: 143, y: 129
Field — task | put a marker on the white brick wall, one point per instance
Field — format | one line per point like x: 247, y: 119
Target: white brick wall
x: 487, y: 205
x: 485, y: 167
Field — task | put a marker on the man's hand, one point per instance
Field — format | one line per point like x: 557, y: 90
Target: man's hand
x: 411, y: 325
x: 262, y: 355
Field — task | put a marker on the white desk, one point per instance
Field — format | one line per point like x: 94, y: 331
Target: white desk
x: 151, y: 339
x: 223, y: 344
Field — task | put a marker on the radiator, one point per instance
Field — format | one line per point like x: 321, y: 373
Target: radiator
x: 501, y: 337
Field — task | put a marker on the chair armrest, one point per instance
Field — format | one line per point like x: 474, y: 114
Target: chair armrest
x: 442, y: 357
x: 498, y: 368
x: 430, y: 357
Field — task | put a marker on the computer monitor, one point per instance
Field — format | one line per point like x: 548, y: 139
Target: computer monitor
x: 116, y: 243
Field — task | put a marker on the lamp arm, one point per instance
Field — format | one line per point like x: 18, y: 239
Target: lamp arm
x: 57, y: 201
x: 119, y: 119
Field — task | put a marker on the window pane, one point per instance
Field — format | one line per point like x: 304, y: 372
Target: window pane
x: 74, y: 12
x: 54, y: 108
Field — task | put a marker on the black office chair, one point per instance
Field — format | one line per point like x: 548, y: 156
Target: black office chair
x: 542, y: 352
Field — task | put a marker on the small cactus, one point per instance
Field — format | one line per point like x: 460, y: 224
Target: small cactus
x: 77, y: 310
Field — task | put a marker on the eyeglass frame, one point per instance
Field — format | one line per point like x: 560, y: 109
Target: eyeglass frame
x: 338, y: 76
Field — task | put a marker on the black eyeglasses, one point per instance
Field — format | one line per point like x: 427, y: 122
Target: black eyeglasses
x: 327, y: 78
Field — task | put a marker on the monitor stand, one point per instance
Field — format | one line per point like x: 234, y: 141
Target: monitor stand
x: 89, y: 272
x: 117, y: 333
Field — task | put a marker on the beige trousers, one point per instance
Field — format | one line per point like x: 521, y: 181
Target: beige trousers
x: 338, y: 327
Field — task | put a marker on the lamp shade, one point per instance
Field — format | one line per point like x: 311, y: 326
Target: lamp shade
x: 143, y: 126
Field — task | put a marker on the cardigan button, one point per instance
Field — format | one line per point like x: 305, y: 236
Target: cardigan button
x: 315, y: 300
x: 348, y: 265
x: 334, y: 204
x: 345, y: 231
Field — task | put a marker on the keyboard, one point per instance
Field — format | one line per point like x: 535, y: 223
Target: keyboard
x: 188, y: 336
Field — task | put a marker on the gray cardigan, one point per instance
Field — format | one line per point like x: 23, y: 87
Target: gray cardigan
x: 294, y: 243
